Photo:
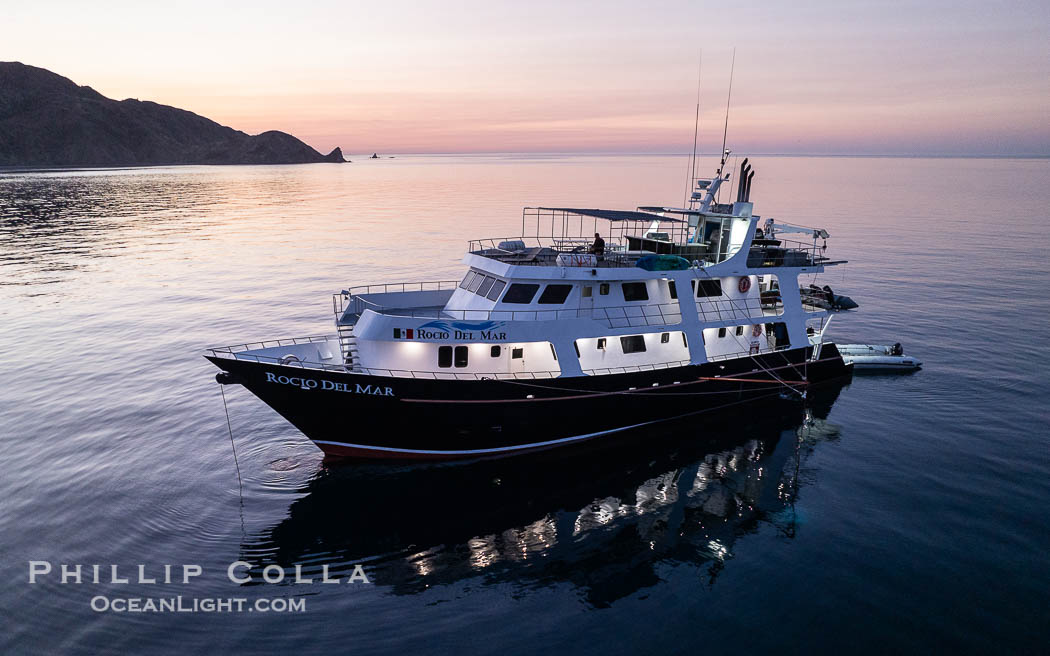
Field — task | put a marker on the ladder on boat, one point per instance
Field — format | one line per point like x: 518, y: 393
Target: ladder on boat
x: 348, y: 346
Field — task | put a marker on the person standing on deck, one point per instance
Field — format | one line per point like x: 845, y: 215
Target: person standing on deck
x: 598, y: 247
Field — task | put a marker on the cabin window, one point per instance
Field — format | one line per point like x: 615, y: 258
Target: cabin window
x: 485, y: 286
x: 633, y: 343
x: 601, y: 343
x: 577, y: 347
x: 553, y: 353
x: 722, y: 332
x: 495, y: 351
x: 555, y: 294
x: 635, y: 291
x: 685, y: 342
x: 665, y: 338
x: 475, y: 283
x: 712, y: 287
x: 672, y: 289
x: 520, y: 293
x: 444, y: 356
x: 739, y: 330
x: 517, y: 353
x: 466, y: 279
x: 603, y: 289
x: 588, y: 291
x: 497, y: 289
x: 461, y: 356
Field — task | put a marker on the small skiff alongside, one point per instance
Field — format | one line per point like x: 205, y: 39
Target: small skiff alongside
x: 877, y: 357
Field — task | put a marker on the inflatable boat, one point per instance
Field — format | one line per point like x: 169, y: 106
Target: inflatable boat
x: 875, y: 357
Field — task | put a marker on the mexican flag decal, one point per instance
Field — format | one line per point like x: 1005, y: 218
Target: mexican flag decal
x: 403, y: 334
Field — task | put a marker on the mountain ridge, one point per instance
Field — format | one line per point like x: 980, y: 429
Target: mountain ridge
x: 49, y: 120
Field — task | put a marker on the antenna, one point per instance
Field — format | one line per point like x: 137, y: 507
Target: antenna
x: 696, y: 128
x: 725, y: 131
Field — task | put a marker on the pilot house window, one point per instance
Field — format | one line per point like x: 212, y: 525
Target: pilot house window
x: 555, y: 294
x: 520, y: 293
x: 485, y: 286
x: 497, y: 289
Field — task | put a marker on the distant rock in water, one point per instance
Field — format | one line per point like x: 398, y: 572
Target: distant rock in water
x: 47, y: 120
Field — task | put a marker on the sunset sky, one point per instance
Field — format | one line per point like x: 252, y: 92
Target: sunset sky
x: 941, y: 78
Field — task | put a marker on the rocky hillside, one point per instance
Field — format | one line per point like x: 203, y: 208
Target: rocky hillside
x: 47, y: 120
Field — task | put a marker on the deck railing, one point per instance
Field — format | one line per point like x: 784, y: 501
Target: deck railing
x: 229, y: 351
x: 615, y: 254
x: 789, y: 253
x: 602, y: 371
x: 237, y: 352
x: 623, y: 316
x: 352, y: 295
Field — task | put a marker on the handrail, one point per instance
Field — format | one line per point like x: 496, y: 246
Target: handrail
x: 602, y: 371
x: 219, y: 351
x: 620, y: 316
x: 382, y: 288
x: 763, y: 255
x: 615, y: 252
x: 743, y: 354
x: 341, y: 299
x: 236, y: 352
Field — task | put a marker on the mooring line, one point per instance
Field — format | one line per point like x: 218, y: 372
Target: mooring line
x: 233, y: 446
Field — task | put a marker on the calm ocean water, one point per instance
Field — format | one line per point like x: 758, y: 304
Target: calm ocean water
x: 906, y: 513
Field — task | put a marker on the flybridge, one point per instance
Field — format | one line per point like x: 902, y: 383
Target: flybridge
x: 705, y: 233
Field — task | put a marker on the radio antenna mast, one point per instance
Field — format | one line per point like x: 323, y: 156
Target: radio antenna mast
x: 696, y: 128
x: 729, y: 97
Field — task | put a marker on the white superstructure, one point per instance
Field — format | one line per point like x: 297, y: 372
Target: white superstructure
x: 671, y: 287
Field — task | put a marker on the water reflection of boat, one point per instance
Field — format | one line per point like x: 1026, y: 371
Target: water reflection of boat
x: 600, y: 523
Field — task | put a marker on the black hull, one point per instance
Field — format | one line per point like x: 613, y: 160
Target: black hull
x: 364, y: 416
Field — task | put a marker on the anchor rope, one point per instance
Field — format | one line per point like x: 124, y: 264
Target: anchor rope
x: 233, y: 446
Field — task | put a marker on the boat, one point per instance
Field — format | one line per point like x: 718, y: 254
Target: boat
x: 587, y: 324
x: 878, y: 357
x: 826, y: 298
